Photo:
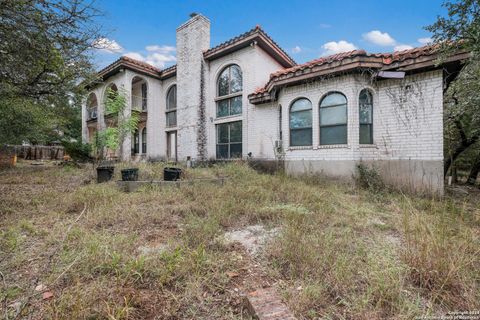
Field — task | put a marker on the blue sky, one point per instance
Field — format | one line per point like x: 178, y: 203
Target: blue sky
x: 305, y: 29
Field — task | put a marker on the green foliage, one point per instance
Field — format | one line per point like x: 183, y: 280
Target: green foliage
x: 77, y: 150
x: 369, y: 178
x: 113, y: 137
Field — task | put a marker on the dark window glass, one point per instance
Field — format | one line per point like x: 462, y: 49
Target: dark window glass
x: 333, y: 119
x: 171, y: 114
x: 365, y: 103
x: 136, y: 142
x: 230, y: 83
x: 144, y: 96
x: 144, y: 140
x: 301, y: 123
x: 229, y: 140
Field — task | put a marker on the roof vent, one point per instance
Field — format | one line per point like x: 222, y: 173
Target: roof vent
x: 193, y: 14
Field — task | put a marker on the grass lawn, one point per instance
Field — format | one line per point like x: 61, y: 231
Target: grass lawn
x: 341, y: 252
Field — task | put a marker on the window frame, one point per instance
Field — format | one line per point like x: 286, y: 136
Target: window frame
x: 144, y: 140
x: 229, y: 143
x: 230, y: 96
x: 332, y: 125
x: 168, y: 110
x: 360, y: 124
x: 303, y: 128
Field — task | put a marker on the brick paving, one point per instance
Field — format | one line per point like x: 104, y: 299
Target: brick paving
x: 266, y: 304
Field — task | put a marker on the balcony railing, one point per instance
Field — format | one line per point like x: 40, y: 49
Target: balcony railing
x: 92, y: 113
x: 139, y: 103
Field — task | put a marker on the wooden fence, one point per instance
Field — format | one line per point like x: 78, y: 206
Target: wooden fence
x: 32, y: 152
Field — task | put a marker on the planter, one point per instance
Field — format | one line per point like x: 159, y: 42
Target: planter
x: 172, y: 174
x: 130, y: 174
x: 104, y: 173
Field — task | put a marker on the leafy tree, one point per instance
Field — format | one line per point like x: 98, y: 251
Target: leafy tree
x: 45, y: 52
x: 460, y: 30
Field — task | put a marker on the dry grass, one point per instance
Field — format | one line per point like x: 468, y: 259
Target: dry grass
x: 343, y: 253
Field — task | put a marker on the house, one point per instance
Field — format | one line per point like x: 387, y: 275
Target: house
x: 247, y: 98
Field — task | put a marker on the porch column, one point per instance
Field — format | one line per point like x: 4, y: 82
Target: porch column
x: 126, y: 148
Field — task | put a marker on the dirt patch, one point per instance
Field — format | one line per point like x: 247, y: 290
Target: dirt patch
x: 252, y: 238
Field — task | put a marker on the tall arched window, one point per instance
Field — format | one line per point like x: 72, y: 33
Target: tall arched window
x: 136, y: 142
x: 171, y: 114
x: 301, y: 123
x: 144, y: 140
x: 229, y: 91
x: 365, y: 105
x: 333, y: 119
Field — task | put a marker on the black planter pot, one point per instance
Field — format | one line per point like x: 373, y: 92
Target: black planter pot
x: 105, y: 173
x: 130, y: 174
x: 172, y: 174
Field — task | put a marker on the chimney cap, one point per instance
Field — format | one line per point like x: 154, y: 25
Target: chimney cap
x: 193, y: 14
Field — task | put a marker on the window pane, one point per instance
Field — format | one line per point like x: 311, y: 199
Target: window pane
x: 365, y: 114
x: 365, y: 97
x: 236, y: 131
x: 222, y: 133
x: 236, y: 150
x: 235, y: 79
x: 222, y: 108
x: 301, y: 104
x: 333, y: 99
x: 333, y: 135
x: 333, y: 115
x: 301, y: 137
x: 366, y: 134
x: 172, y: 98
x: 223, y: 83
x: 171, y: 119
x: 222, y: 151
x: 236, y: 105
x: 301, y: 119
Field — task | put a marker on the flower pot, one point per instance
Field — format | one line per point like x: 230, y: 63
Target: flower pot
x: 104, y: 173
x: 172, y: 174
x: 129, y: 174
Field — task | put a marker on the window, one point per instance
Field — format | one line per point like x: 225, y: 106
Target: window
x: 229, y: 140
x: 301, y: 123
x: 171, y: 114
x: 144, y: 96
x: 136, y: 142
x: 144, y: 140
x: 229, y: 100
x: 365, y: 104
x: 333, y: 119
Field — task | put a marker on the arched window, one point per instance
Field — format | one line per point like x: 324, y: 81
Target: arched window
x: 229, y: 91
x: 144, y: 140
x: 136, y: 142
x: 301, y: 123
x: 171, y: 114
x: 365, y: 105
x: 333, y: 119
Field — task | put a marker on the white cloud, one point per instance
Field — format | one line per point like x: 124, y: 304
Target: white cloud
x: 296, y: 49
x: 325, y: 26
x: 425, y: 40
x: 337, y: 47
x: 164, y: 49
x: 107, y: 45
x: 157, y: 56
x: 402, y: 47
x: 379, y: 38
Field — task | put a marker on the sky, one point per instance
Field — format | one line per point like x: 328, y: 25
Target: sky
x: 306, y: 30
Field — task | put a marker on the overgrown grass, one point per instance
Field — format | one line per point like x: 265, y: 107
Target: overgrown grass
x: 340, y: 254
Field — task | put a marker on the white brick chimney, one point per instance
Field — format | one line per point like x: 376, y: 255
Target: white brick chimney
x: 193, y: 37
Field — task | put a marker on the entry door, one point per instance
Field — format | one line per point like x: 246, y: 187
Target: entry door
x: 172, y: 146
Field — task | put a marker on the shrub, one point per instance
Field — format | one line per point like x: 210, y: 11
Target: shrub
x: 369, y: 178
x: 77, y: 150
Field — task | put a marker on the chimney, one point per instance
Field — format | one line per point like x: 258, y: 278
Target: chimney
x: 193, y: 37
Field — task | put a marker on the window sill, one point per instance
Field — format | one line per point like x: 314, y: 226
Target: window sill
x: 333, y: 146
x: 171, y: 128
x: 368, y: 146
x: 292, y: 148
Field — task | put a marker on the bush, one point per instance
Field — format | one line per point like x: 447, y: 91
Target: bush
x: 369, y: 178
x: 77, y: 150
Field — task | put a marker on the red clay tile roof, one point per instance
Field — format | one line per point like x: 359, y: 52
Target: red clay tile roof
x: 406, y: 60
x: 256, y: 33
